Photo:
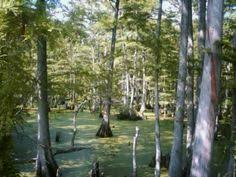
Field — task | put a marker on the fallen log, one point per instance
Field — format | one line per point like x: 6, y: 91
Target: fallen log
x: 18, y: 161
x: 68, y: 150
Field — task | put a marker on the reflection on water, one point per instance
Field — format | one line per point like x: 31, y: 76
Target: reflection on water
x: 7, y: 168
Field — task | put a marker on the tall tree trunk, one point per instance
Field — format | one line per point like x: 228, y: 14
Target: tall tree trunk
x: 204, y: 131
x: 127, y: 88
x: 105, y: 130
x: 144, y: 84
x: 133, y: 84
x: 76, y: 110
x: 157, y: 171
x: 190, y: 90
x: 74, y: 126
x: 201, y: 46
x: 175, y: 168
x: 46, y: 166
x: 132, y: 92
x: 123, y: 88
x: 126, y: 77
x: 94, y: 94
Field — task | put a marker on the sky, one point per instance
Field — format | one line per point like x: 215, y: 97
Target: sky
x: 59, y: 14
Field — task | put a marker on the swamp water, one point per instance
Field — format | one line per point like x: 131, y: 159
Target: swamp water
x: 114, y: 154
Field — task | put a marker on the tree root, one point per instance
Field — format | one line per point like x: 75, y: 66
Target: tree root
x: 104, y: 131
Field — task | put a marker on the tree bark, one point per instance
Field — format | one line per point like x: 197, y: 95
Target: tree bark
x: 127, y: 88
x: 75, y: 127
x: 46, y: 166
x: 125, y: 78
x: 201, y: 46
x: 157, y: 170
x: 94, y: 93
x: 132, y: 85
x: 105, y: 130
x: 132, y: 92
x: 75, y: 112
x: 144, y: 89
x: 204, y: 131
x: 175, y: 168
x: 190, y: 90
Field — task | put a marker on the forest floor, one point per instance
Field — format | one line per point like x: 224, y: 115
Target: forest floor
x: 114, y: 154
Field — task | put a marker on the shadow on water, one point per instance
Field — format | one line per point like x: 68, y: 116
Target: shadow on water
x: 7, y: 167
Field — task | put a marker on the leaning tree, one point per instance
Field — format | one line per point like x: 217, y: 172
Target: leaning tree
x: 206, y: 114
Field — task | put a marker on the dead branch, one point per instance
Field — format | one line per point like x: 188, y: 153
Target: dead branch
x: 32, y: 160
x: 68, y: 150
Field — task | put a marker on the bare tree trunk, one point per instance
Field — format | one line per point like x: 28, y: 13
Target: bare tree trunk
x: 135, y: 138
x: 126, y: 78
x: 46, y: 166
x: 204, y: 131
x: 132, y: 92
x: 132, y: 85
x: 123, y: 88
x: 127, y: 87
x: 75, y: 111
x: 144, y: 89
x: 157, y: 171
x: 75, y: 127
x: 190, y: 90
x: 175, y: 169
x: 105, y: 130
x: 201, y: 47
x: 94, y: 98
